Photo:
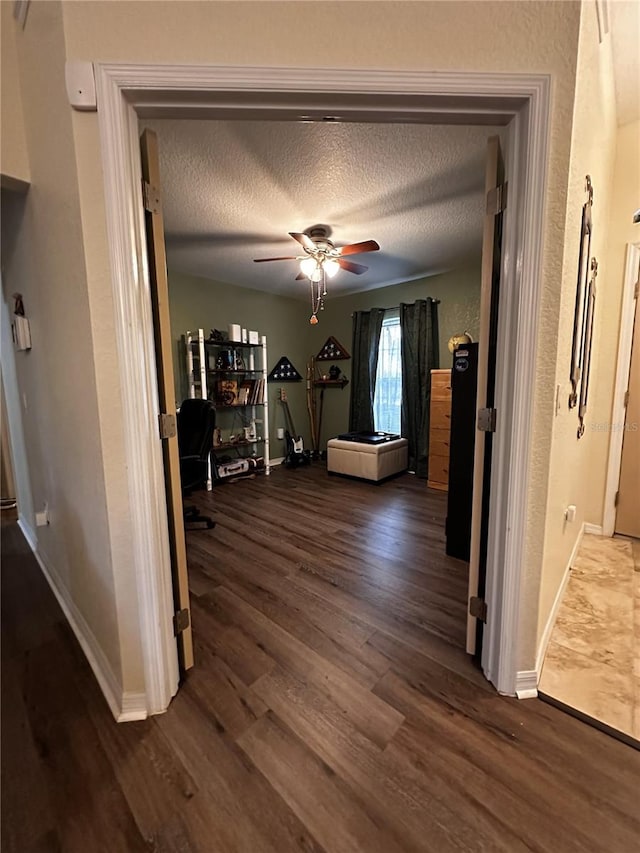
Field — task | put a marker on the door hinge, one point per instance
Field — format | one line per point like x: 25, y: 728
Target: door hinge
x: 181, y: 621
x: 626, y: 399
x: 497, y: 200
x: 616, y: 499
x: 478, y: 608
x: 487, y: 420
x: 636, y: 289
x: 150, y: 197
x: 168, y: 427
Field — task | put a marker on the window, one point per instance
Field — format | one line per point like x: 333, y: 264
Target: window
x: 387, y: 399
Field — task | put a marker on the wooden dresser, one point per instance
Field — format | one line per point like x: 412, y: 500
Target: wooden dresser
x: 439, y: 429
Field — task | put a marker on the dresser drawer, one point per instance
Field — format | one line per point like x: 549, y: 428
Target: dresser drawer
x: 441, y: 385
x: 440, y: 415
x: 439, y: 470
x: 439, y: 442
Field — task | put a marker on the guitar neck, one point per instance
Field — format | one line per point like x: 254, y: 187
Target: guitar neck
x: 285, y: 404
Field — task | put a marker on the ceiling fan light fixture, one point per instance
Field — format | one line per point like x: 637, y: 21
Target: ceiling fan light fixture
x: 309, y: 266
x: 331, y: 267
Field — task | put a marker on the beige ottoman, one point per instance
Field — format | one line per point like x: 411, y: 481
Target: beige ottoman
x: 368, y: 461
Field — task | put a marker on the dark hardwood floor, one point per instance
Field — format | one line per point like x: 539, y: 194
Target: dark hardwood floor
x: 332, y: 707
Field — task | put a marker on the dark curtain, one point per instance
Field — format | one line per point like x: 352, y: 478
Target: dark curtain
x: 367, y: 326
x: 419, y: 327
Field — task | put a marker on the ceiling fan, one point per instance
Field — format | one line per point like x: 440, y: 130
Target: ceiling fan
x: 321, y: 256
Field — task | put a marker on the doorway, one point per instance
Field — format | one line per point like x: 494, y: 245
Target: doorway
x: 522, y: 103
x: 223, y: 184
x: 588, y: 665
x: 7, y: 482
x: 626, y: 391
x: 627, y: 499
x: 13, y: 445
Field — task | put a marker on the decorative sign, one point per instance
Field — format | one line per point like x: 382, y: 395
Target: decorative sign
x: 332, y: 351
x: 284, y: 371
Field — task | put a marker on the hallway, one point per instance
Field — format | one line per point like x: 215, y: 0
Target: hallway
x: 592, y: 663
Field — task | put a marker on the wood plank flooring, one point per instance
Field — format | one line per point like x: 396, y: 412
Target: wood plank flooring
x: 332, y: 707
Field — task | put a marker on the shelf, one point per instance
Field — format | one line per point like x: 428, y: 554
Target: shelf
x: 233, y: 376
x: 330, y: 383
x: 226, y: 344
x: 234, y: 445
x: 235, y: 405
x: 219, y: 370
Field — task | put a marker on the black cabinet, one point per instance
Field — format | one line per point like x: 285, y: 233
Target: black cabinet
x: 464, y: 377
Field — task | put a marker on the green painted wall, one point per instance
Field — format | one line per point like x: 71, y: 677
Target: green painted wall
x: 201, y: 303
x: 198, y: 302
x: 459, y: 309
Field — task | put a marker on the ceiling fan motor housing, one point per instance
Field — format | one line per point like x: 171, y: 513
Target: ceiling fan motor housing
x: 320, y: 237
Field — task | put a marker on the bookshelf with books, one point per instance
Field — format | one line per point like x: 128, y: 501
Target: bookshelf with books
x: 233, y: 376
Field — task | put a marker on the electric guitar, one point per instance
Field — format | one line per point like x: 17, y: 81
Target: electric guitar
x: 296, y: 454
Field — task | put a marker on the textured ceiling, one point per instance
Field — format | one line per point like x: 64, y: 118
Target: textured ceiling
x: 234, y: 189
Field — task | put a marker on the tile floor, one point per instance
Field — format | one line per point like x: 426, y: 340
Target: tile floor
x: 593, y: 658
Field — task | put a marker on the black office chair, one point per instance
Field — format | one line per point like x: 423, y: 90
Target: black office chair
x: 196, y: 423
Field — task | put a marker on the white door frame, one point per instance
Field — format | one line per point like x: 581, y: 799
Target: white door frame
x: 618, y: 412
x: 127, y: 92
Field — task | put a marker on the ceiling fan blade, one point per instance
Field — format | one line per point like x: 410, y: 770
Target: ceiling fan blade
x: 263, y: 260
x: 304, y: 240
x: 357, y: 248
x: 349, y: 266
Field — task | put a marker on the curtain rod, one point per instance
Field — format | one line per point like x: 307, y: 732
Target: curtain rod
x: 395, y: 307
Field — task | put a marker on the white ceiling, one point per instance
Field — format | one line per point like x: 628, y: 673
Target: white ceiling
x: 234, y: 189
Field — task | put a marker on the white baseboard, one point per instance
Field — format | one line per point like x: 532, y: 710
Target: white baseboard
x: 133, y: 707
x: 553, y: 613
x: 594, y: 529
x: 124, y: 706
x: 527, y: 684
x: 28, y: 532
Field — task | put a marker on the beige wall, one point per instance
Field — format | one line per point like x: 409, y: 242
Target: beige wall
x: 14, y: 162
x: 64, y: 245
x: 578, y: 467
x: 625, y: 200
x: 44, y: 258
